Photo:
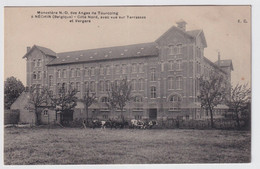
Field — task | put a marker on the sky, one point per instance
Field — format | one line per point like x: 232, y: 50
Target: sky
x: 227, y: 30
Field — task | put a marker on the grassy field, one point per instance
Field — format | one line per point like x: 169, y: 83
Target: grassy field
x: 88, y: 146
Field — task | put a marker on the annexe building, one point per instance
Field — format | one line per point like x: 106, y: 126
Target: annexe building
x: 164, y: 74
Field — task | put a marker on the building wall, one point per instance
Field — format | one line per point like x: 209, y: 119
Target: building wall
x: 177, y: 68
x: 26, y: 116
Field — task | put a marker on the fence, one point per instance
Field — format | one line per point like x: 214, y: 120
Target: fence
x: 199, y: 124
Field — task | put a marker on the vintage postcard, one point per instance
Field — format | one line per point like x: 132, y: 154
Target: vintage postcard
x: 127, y: 85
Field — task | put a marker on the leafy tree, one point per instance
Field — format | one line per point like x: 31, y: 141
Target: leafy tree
x: 213, y: 91
x: 37, y: 98
x: 12, y: 90
x: 88, y: 99
x: 240, y: 101
x: 64, y: 101
x: 119, y: 95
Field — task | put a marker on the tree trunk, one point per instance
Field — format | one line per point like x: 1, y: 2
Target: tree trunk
x: 211, y: 118
x: 122, y: 116
x: 37, y: 117
x: 87, y: 114
x: 237, y: 119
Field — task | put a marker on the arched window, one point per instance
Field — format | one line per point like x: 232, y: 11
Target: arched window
x: 104, y: 99
x: 86, y: 87
x: 153, y: 76
x: 78, y: 72
x: 138, y: 99
x: 101, y: 70
x: 171, y: 49
x: 134, y: 68
x: 64, y: 85
x: 39, y: 63
x: 50, y: 80
x: 171, y: 65
x: 153, y: 92
x: 117, y: 69
x: 92, y: 86
x: 72, y: 85
x: 175, y: 99
x: 64, y: 73
x: 34, y: 76
x: 179, y: 46
x: 170, y: 83
x: 72, y: 72
x: 108, y: 70
x: 141, y: 84
x: 134, y: 85
x: 107, y: 85
x: 78, y: 86
x: 59, y: 73
x: 34, y: 63
x: 101, y: 86
x: 39, y: 75
x: 178, y: 64
x: 141, y: 67
x: 124, y: 68
x: 86, y: 72
x: 92, y: 71
x: 178, y: 82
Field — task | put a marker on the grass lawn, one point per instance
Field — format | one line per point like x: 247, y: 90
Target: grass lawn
x: 126, y: 146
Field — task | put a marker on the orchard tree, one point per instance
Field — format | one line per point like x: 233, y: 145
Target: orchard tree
x: 64, y: 101
x: 213, y: 91
x: 240, y: 101
x: 88, y: 99
x: 119, y: 95
x: 12, y: 90
x: 37, y: 98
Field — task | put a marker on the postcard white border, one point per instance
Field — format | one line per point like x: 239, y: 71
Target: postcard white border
x: 255, y: 72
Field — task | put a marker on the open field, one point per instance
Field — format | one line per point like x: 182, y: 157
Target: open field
x: 88, y: 146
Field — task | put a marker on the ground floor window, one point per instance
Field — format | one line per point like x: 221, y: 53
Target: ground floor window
x: 138, y: 117
x: 105, y: 116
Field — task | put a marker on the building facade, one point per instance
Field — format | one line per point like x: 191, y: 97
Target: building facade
x: 164, y: 74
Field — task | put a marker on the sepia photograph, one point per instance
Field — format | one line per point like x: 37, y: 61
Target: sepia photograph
x: 127, y: 85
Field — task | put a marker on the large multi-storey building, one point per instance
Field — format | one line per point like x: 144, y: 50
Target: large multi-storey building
x: 164, y: 74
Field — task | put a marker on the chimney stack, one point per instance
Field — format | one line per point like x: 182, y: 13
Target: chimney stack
x: 28, y: 48
x: 181, y: 24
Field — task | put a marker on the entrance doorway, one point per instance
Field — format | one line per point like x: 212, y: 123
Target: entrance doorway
x: 152, y: 114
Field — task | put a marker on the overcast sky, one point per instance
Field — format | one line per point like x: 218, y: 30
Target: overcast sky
x: 220, y: 24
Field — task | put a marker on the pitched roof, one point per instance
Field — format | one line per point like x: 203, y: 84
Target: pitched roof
x: 194, y: 33
x: 110, y: 53
x: 225, y: 63
x: 44, y: 50
x: 213, y: 64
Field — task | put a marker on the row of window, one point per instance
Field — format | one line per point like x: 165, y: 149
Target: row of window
x: 119, y: 69
x: 37, y: 63
x: 137, y: 84
x: 103, y: 86
x: 175, y: 49
x: 175, y: 65
x: 139, y: 99
x: 175, y: 83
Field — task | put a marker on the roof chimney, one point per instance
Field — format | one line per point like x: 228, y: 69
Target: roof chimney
x: 218, y: 59
x: 181, y: 24
x: 28, y: 48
